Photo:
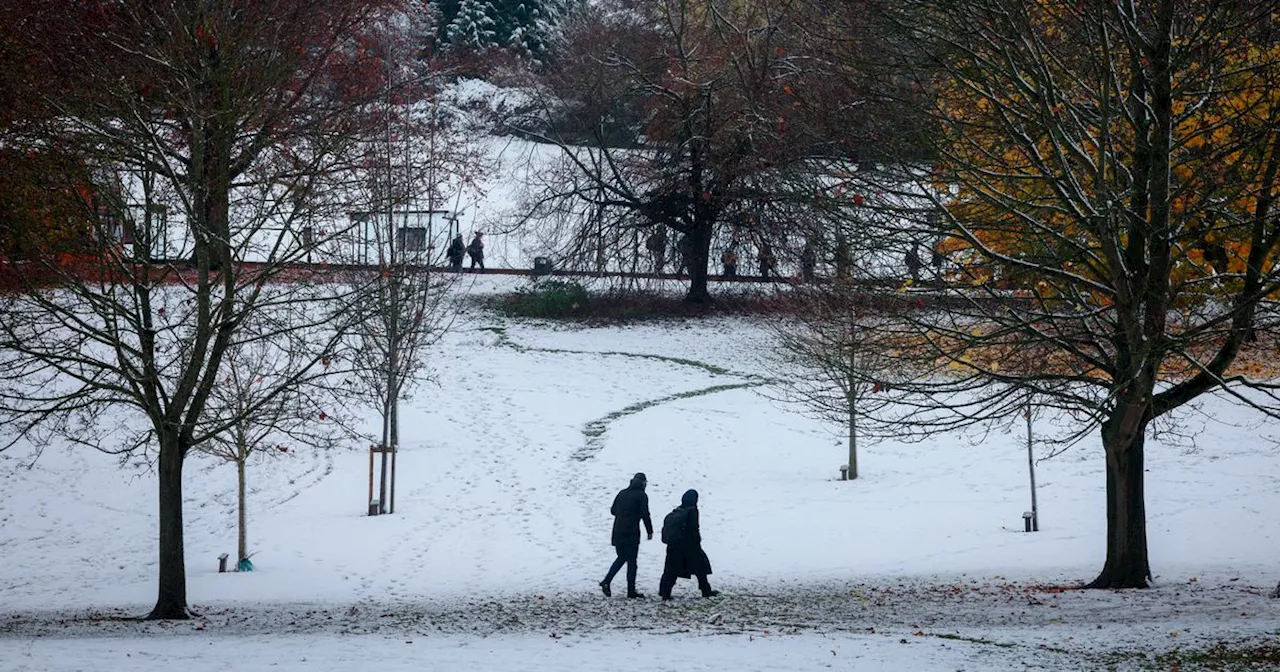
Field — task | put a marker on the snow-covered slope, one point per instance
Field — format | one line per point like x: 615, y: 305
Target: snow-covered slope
x: 509, y: 464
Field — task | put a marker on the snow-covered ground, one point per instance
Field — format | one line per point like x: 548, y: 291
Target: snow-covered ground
x: 501, y: 531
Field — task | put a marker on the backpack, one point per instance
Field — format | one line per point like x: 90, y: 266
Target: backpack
x: 673, y: 525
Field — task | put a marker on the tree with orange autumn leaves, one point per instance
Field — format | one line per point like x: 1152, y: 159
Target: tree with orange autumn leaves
x: 1103, y: 191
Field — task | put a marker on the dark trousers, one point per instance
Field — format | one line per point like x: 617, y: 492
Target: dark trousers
x: 668, y: 582
x: 627, y: 554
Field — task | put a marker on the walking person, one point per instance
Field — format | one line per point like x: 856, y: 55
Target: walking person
x: 729, y: 259
x: 913, y: 262
x: 630, y: 509
x: 476, y: 251
x: 808, y: 260
x: 656, y: 243
x: 685, y: 557
x: 457, y: 249
x: 684, y: 254
x: 766, y: 259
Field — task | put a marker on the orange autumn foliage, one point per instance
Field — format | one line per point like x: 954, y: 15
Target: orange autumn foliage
x: 1044, y: 179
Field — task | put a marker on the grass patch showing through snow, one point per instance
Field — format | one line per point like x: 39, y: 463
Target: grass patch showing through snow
x: 556, y: 299
x: 547, y: 299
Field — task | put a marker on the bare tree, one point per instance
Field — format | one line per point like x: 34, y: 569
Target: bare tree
x: 406, y: 314
x: 1103, y: 192
x: 270, y: 412
x: 831, y: 364
x: 722, y: 124
x: 420, y: 158
x: 214, y: 133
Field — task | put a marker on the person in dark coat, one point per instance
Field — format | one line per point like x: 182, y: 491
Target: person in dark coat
x: 913, y: 262
x: 656, y: 243
x: 729, y: 259
x: 684, y: 254
x: 808, y: 260
x: 766, y: 260
x: 475, y: 249
x: 457, y: 249
x: 630, y: 509
x: 686, y: 558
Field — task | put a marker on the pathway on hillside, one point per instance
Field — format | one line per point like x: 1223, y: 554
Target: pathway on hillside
x: 595, y: 432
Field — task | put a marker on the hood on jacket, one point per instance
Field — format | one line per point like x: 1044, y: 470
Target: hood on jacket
x: 639, y: 481
x: 690, y: 498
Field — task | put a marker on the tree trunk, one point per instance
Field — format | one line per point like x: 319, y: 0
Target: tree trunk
x: 243, y: 536
x: 171, y: 602
x: 851, y: 398
x: 395, y: 446
x: 1127, y: 564
x: 699, y: 255
x: 853, y: 440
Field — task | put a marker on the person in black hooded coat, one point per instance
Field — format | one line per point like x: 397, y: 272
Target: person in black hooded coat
x: 630, y: 509
x: 685, y: 558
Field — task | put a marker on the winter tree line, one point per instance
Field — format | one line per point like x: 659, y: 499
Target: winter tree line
x: 1095, y: 182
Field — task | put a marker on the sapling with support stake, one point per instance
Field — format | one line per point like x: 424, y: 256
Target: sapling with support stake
x: 829, y: 365
x: 418, y: 158
x: 257, y: 409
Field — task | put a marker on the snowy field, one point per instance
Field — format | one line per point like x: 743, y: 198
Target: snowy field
x: 501, y: 532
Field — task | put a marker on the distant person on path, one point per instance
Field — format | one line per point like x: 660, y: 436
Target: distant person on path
x: 630, y: 508
x: 729, y: 259
x: 808, y: 260
x: 684, y: 251
x: 456, y: 250
x: 766, y: 259
x: 913, y: 262
x: 844, y: 263
x: 685, y: 557
x: 656, y: 243
x: 475, y: 249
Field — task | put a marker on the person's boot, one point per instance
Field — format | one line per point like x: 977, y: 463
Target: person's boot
x: 604, y: 588
x: 631, y: 594
x: 710, y: 593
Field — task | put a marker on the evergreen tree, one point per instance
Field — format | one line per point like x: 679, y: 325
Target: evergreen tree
x: 445, y: 11
x: 473, y: 27
x: 521, y: 33
x: 525, y: 27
